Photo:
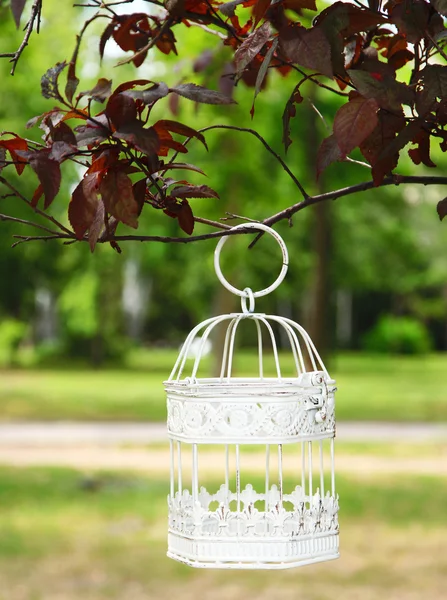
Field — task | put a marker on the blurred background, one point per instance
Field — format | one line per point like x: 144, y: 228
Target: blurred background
x: 86, y: 341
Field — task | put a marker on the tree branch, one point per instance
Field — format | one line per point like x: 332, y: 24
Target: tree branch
x: 30, y: 223
x: 270, y: 221
x: 35, y: 16
x: 353, y: 189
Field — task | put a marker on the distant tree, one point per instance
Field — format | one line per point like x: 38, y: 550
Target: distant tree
x: 383, y: 60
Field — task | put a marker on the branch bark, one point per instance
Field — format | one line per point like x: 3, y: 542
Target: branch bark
x: 35, y: 16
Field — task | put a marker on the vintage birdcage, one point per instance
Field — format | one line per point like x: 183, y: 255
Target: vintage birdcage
x: 292, y: 419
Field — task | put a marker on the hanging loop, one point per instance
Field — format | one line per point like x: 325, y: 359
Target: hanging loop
x: 243, y: 293
x: 251, y: 301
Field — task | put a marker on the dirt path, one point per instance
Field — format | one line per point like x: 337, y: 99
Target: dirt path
x: 92, y: 446
x: 104, y: 434
x: 156, y: 461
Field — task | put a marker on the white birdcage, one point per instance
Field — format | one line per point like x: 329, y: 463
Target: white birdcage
x: 255, y: 526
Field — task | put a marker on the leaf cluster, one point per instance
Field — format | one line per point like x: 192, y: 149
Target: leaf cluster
x: 384, y: 59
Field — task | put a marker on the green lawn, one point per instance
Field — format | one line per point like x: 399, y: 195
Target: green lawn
x: 370, y: 387
x: 65, y: 535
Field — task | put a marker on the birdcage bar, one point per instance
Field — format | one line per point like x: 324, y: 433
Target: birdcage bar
x: 238, y: 479
x: 280, y: 477
x: 332, y: 468
x: 303, y: 465
x: 195, y: 474
x: 179, y: 466
x: 267, y: 477
x: 227, y: 467
x: 309, y: 454
x: 172, y: 479
x: 321, y: 468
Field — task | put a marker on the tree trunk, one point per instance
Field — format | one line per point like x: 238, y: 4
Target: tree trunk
x: 319, y: 300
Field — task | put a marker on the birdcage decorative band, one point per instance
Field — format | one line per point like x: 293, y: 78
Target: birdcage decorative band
x: 252, y: 411
x: 240, y: 526
x: 306, y: 529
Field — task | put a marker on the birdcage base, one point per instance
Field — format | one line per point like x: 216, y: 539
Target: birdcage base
x: 242, y: 553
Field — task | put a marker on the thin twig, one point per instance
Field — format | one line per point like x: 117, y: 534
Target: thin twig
x: 266, y: 146
x: 37, y: 210
x: 30, y: 223
x: 43, y: 238
x: 35, y: 15
x: 212, y: 223
x: 233, y: 216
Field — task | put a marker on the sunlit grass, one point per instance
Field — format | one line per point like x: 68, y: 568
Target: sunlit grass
x: 371, y: 387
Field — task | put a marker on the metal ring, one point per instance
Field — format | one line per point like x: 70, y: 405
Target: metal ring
x: 251, y: 304
x: 282, y: 274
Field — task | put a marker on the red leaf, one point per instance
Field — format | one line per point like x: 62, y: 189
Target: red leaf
x: 440, y: 6
x: 347, y: 19
x: 47, y: 170
x: 117, y: 195
x: 84, y: 204
x: 91, y: 133
x: 328, y: 153
x: 72, y: 81
x: 421, y: 154
x: 411, y: 18
x: 179, y: 128
x: 139, y: 192
x: 166, y: 42
x: 259, y: 10
x: 105, y: 36
x: 60, y: 151
x: 49, y: 82
x: 194, y: 191
x: 388, y: 93
x: 63, y: 133
x: 17, y: 7
x: 37, y: 195
x: 442, y: 208
x: 197, y: 93
x: 121, y: 110
x: 289, y: 113
x: 307, y: 47
x: 157, y: 91
x: 130, y: 84
x: 354, y: 122
x: 96, y: 226
x: 251, y: 46
x: 145, y: 140
x: 382, y: 147
x: 186, y: 218
x: 16, y: 144
x: 100, y: 92
x: 262, y: 73
x: 432, y: 85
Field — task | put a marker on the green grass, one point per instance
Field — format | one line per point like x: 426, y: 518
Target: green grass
x: 65, y: 535
x: 371, y: 387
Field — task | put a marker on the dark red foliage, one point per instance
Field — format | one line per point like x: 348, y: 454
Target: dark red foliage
x: 358, y: 52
